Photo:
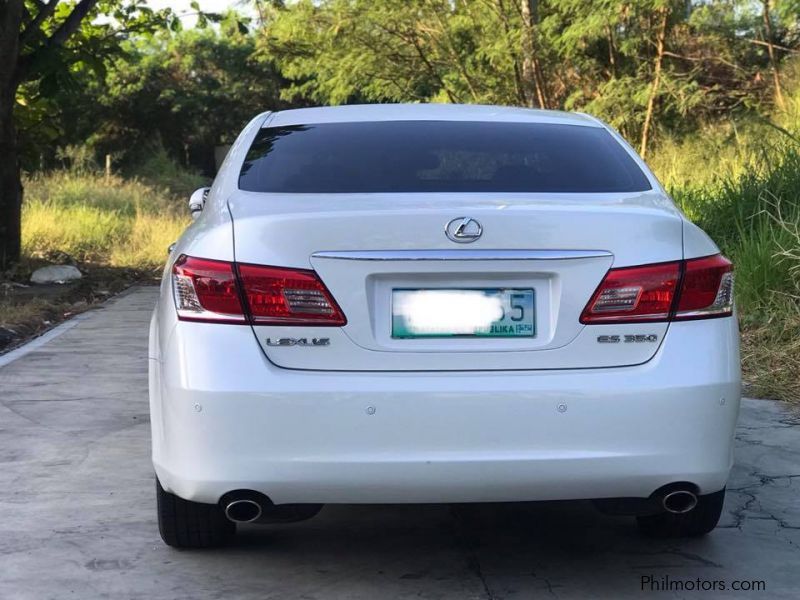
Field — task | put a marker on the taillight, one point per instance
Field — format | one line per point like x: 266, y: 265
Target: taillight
x: 277, y: 296
x: 206, y: 290
x: 706, y: 289
x: 634, y: 294
x: 691, y: 289
x: 213, y: 291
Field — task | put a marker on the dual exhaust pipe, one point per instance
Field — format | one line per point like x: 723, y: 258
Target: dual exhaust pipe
x: 247, y: 509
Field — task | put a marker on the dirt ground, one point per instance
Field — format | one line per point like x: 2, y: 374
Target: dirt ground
x: 27, y: 310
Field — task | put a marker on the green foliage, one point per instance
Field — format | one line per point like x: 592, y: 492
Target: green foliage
x: 740, y: 182
x: 77, y: 159
x: 136, y: 75
x: 599, y: 56
x: 750, y: 217
x: 60, y: 58
x: 187, y: 92
x: 159, y: 170
x: 104, y: 84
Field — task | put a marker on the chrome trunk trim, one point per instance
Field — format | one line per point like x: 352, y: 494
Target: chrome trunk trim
x: 462, y: 254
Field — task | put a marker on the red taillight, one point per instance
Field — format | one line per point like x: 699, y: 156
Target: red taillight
x: 651, y: 292
x: 279, y: 296
x: 706, y: 289
x: 634, y: 294
x: 206, y: 290
x: 212, y: 291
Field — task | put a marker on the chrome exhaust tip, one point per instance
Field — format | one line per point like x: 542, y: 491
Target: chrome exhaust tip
x: 243, y: 510
x: 679, y: 502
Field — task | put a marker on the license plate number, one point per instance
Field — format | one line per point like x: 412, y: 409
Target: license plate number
x: 492, y: 312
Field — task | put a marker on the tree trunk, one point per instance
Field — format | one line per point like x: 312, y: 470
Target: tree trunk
x: 519, y: 80
x: 661, y: 37
x: 531, y: 68
x: 612, y: 52
x: 10, y: 181
x: 773, y: 60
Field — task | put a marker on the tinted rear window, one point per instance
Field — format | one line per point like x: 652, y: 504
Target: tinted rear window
x: 438, y: 156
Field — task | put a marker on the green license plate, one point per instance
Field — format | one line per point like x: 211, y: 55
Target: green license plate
x: 490, y: 312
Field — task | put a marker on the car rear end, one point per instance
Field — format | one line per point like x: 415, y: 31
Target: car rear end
x: 441, y: 304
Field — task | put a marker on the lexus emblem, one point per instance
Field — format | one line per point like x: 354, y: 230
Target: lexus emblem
x: 463, y: 230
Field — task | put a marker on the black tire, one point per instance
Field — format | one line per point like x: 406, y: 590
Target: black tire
x: 185, y: 524
x: 699, y: 521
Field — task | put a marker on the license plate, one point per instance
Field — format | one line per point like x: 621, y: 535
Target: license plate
x: 489, y: 312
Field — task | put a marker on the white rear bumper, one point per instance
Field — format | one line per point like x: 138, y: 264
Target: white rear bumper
x: 224, y: 418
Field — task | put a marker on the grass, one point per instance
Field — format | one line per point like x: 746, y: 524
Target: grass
x: 746, y: 197
x: 25, y: 311
x: 115, y: 230
x: 115, y: 222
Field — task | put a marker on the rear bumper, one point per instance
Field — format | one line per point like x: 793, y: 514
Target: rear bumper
x: 225, y: 418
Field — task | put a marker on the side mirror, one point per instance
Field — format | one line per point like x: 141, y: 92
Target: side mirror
x: 197, y: 201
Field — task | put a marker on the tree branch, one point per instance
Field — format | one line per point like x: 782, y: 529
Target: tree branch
x: 58, y: 37
x: 71, y: 24
x: 776, y: 46
x: 45, y: 10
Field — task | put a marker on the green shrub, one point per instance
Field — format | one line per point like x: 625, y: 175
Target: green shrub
x: 161, y: 171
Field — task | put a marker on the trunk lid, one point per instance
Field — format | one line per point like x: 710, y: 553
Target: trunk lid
x: 366, y: 246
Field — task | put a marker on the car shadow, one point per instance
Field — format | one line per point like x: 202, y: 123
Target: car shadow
x: 550, y: 531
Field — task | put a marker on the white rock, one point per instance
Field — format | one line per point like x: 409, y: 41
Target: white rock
x: 55, y: 274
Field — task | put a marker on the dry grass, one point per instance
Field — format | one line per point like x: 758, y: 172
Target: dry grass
x: 26, y: 311
x: 12, y: 314
x: 121, y: 223
x: 117, y: 231
x: 771, y: 358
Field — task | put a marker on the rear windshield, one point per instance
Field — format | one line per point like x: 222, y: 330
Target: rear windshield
x: 438, y: 156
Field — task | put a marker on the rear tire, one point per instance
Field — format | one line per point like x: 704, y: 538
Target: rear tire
x: 699, y: 521
x: 186, y: 524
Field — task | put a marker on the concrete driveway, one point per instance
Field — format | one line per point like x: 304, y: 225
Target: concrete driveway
x: 77, y: 517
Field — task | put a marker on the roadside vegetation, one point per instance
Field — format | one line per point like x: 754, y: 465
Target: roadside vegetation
x: 740, y: 182
x: 115, y: 229
x: 96, y: 220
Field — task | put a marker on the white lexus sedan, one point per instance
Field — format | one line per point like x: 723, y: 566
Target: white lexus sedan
x: 439, y: 303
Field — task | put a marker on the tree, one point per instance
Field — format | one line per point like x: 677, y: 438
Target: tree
x: 191, y: 90
x: 647, y: 66
x: 480, y: 51
x: 773, y: 60
x: 655, y: 87
x: 531, y: 65
x: 10, y: 185
x: 345, y: 50
x: 39, y: 40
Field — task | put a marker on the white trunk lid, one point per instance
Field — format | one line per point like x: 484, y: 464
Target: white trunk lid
x: 365, y: 246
